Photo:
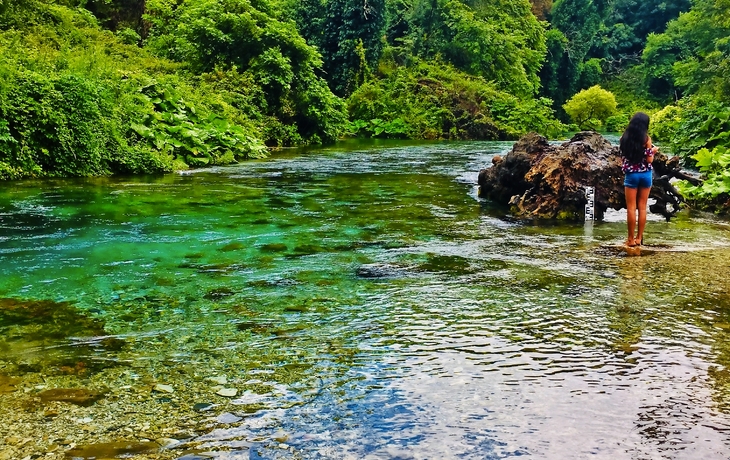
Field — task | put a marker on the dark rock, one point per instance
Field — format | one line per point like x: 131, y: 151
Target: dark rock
x: 219, y: 293
x: 8, y: 384
x: 380, y: 271
x: 203, y: 407
x: 273, y: 247
x: 234, y: 246
x: 253, y: 326
x: 112, y: 449
x: 58, y: 319
x: 543, y: 181
x: 78, y: 396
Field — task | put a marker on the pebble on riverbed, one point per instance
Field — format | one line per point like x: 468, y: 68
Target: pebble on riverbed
x: 227, y: 392
x: 164, y: 388
x: 219, y: 379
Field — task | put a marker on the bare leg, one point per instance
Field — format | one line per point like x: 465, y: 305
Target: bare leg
x: 642, y: 197
x: 631, y: 201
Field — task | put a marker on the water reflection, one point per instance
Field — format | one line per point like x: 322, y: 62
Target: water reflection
x: 360, y: 304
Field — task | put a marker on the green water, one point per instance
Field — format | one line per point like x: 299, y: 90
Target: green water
x: 365, y: 304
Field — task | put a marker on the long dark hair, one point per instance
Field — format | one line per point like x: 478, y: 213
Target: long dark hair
x: 633, y: 140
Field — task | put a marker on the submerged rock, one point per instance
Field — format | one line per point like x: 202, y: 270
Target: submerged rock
x: 227, y: 392
x: 228, y: 418
x: 78, y: 396
x: 162, y: 388
x: 112, y: 450
x: 203, y: 407
x: 8, y: 384
x: 381, y: 270
x: 48, y: 319
x: 544, y: 181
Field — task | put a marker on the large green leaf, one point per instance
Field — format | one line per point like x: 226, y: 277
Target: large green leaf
x: 704, y: 158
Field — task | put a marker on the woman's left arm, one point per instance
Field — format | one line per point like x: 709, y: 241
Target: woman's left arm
x: 651, y: 150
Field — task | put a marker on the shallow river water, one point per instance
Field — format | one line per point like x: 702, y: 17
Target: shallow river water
x: 354, y: 302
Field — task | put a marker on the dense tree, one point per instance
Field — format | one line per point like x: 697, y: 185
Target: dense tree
x: 352, y: 33
x: 560, y: 74
x: 232, y: 35
x: 437, y: 101
x: 541, y: 8
x: 118, y: 14
x: 700, y: 44
x: 579, y: 21
x: 348, y: 33
x: 575, y: 24
x: 501, y: 41
x: 626, y: 26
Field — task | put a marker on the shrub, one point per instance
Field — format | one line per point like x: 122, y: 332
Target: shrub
x: 714, y: 192
x: 436, y: 101
x: 77, y: 101
x: 617, y: 123
x: 664, y: 123
x: 590, y: 108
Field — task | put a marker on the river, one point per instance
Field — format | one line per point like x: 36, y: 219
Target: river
x: 354, y: 302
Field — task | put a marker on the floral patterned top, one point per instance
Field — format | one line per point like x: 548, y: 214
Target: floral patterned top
x: 644, y: 166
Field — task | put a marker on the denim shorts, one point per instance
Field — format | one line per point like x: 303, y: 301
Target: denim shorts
x: 638, y: 179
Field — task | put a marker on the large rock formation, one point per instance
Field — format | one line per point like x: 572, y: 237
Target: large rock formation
x: 544, y: 181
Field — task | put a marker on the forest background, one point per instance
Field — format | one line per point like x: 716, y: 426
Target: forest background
x: 101, y: 87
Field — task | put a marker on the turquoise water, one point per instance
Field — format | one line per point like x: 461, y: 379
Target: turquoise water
x: 365, y: 303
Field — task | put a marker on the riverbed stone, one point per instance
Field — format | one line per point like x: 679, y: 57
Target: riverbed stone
x: 78, y: 396
x: 204, y: 407
x: 219, y: 379
x: 162, y: 388
x: 228, y: 418
x: 227, y: 392
x: 8, y: 384
x: 112, y: 449
x: 381, y: 270
x: 168, y: 443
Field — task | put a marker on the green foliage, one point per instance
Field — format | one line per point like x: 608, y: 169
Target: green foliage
x: 560, y: 75
x: 628, y: 23
x: 349, y: 33
x: 54, y: 126
x: 662, y: 51
x: 351, y: 41
x: 615, y: 33
x: 617, y: 123
x: 698, y: 130
x: 501, y: 41
x: 232, y: 35
x: 665, y: 123
x: 714, y: 192
x: 173, y: 126
x: 128, y: 36
x: 579, y: 21
x: 696, y: 123
x: 76, y: 101
x: 116, y: 15
x: 694, y: 52
x: 590, y: 108
x: 377, y: 127
x: 436, y: 101
x: 590, y: 73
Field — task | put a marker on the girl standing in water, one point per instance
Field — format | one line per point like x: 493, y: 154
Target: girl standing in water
x: 638, y: 153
